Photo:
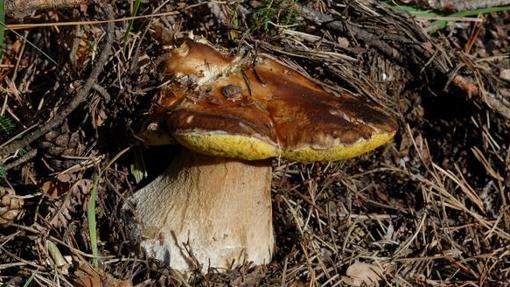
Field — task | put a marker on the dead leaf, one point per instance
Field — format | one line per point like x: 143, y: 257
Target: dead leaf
x: 298, y: 283
x: 89, y: 277
x: 505, y: 74
x: 343, y: 42
x: 75, y: 196
x: 363, y: 274
x: 54, y: 189
x: 97, y: 110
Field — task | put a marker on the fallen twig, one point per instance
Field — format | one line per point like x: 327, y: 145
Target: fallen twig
x: 19, y: 8
x: 80, y: 97
x: 28, y: 156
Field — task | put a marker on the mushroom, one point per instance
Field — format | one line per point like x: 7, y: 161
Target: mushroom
x: 232, y: 114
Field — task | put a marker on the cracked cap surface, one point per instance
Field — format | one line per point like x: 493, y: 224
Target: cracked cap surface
x: 227, y: 106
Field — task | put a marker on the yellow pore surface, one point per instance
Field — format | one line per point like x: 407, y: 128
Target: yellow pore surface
x: 251, y: 148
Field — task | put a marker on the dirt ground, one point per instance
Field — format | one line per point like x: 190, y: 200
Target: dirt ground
x: 430, y: 208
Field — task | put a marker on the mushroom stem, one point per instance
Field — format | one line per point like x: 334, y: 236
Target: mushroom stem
x: 219, y: 209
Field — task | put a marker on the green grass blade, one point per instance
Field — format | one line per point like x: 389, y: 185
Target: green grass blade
x: 91, y: 210
x: 137, y: 167
x: 415, y: 11
x: 441, y: 24
x: 91, y: 218
x: 130, y: 25
x: 29, y: 280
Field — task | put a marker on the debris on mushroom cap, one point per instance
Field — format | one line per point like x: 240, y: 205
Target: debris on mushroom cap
x: 228, y: 106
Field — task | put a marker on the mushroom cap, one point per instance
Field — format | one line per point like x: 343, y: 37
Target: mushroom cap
x: 250, y: 109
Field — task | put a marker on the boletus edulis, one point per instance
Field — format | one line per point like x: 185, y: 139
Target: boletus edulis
x: 232, y: 114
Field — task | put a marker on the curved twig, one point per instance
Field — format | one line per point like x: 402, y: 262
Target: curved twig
x: 80, y: 97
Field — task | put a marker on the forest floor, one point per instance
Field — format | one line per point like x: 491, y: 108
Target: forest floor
x: 431, y: 208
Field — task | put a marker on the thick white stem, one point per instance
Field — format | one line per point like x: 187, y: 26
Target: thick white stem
x: 219, y: 209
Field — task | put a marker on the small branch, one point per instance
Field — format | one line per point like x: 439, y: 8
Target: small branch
x: 19, y: 8
x: 31, y: 154
x: 80, y: 97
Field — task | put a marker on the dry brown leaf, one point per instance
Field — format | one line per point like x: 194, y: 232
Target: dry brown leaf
x: 505, y: 74
x: 98, y: 113
x: 298, y: 283
x: 88, y: 277
x: 54, y: 189
x: 76, y: 197
x: 343, y: 42
x: 363, y: 274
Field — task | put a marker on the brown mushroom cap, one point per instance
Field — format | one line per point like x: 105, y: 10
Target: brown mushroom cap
x: 226, y: 106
